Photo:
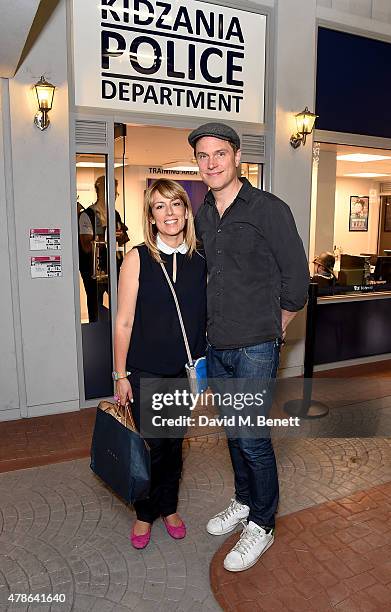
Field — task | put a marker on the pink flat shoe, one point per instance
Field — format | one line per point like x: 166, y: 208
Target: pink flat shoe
x: 176, y: 532
x: 140, y: 541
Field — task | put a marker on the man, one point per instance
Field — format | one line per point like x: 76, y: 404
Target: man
x: 258, y: 280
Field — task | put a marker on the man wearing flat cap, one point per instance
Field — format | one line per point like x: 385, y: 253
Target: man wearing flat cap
x: 258, y: 281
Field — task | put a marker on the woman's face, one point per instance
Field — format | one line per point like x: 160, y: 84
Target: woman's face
x: 168, y: 215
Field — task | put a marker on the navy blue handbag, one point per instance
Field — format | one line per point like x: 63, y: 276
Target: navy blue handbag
x: 119, y: 455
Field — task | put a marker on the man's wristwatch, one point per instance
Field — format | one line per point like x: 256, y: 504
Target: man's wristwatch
x: 120, y: 375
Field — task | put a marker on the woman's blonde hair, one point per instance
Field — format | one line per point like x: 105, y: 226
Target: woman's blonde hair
x: 173, y: 191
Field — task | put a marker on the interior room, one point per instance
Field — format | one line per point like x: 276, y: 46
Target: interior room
x: 351, y: 205
x: 143, y: 154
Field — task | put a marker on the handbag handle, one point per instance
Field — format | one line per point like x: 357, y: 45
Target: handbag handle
x: 189, y: 357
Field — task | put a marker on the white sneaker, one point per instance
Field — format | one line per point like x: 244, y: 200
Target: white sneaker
x: 228, y: 519
x: 253, y: 542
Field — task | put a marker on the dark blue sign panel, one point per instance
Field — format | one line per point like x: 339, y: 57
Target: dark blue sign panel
x: 353, y: 85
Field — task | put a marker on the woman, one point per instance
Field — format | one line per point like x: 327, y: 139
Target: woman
x: 148, y: 339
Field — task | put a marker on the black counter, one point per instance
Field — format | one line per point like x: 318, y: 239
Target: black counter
x: 352, y: 326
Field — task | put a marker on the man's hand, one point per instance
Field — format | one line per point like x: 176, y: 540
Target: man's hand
x: 286, y: 318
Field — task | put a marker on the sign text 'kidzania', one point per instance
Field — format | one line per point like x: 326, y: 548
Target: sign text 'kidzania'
x: 188, y: 58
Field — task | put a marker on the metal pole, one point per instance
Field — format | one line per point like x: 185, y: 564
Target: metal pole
x: 307, y: 408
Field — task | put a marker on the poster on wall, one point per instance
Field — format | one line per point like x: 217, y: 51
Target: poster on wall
x: 358, y: 214
x: 45, y: 239
x: 183, y: 58
x: 387, y: 214
x: 46, y: 267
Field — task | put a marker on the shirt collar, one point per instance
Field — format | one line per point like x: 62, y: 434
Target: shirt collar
x: 244, y: 192
x: 164, y: 248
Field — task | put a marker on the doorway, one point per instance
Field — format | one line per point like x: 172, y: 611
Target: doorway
x: 142, y: 154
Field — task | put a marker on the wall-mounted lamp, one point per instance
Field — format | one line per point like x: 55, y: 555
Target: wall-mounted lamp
x: 305, y: 124
x: 45, y: 94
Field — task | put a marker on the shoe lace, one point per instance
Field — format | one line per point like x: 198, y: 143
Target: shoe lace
x: 232, y: 508
x: 247, y: 539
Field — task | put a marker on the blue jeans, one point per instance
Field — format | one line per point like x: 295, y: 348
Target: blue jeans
x: 253, y: 459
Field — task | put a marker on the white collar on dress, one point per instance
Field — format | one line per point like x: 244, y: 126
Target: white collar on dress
x: 164, y: 248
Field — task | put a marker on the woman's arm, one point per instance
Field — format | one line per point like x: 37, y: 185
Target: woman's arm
x: 127, y: 297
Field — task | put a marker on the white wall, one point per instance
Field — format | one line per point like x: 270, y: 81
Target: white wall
x: 355, y: 243
x: 325, y: 204
x: 41, y: 180
x: 377, y: 10
x: 295, y: 56
x: 9, y: 391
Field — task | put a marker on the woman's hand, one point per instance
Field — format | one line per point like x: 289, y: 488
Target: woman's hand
x: 124, y: 393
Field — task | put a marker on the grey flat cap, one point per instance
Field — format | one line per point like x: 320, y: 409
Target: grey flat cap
x: 218, y: 130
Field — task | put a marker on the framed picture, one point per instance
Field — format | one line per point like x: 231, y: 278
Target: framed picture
x: 387, y: 214
x: 358, y: 215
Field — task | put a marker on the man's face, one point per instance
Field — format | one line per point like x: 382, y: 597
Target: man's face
x: 217, y: 162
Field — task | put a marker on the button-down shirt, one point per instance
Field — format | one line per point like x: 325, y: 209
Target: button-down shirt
x: 256, y: 265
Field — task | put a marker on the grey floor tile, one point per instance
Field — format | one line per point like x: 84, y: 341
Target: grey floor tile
x: 72, y: 535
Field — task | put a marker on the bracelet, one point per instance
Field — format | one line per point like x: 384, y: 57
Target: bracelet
x: 117, y: 375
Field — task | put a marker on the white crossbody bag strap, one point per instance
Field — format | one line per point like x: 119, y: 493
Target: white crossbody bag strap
x: 189, y: 357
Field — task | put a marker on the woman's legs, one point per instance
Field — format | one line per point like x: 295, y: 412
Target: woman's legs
x: 166, y: 467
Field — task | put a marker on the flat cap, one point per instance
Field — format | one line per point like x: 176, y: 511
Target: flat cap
x: 218, y: 130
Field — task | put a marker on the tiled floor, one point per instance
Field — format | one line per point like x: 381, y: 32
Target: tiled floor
x: 335, y: 556
x: 61, y: 530
x: 43, y: 440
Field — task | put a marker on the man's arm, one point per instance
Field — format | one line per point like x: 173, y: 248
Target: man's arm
x: 286, y: 318
x: 86, y: 232
x: 287, y: 247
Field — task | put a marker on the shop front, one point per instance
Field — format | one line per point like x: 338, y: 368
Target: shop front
x: 350, y: 211
x: 132, y: 79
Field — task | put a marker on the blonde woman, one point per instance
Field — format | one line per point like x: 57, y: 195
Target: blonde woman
x: 148, y: 340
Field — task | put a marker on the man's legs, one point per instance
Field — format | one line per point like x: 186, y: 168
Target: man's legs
x: 255, y: 367
x: 253, y: 460
x: 220, y: 376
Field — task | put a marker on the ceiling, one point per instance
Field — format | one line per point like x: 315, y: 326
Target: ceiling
x: 351, y: 167
x: 17, y: 17
x: 156, y: 146
x: 153, y: 146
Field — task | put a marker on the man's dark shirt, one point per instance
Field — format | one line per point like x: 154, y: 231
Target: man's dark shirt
x: 256, y: 265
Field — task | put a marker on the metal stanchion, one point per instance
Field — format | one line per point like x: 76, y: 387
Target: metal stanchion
x: 306, y: 407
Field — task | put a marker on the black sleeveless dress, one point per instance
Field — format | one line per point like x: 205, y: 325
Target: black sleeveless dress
x: 156, y: 343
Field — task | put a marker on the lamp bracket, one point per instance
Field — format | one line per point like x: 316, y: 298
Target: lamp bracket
x: 296, y: 140
x: 41, y: 120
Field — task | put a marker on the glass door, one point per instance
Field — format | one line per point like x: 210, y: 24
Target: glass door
x: 94, y: 273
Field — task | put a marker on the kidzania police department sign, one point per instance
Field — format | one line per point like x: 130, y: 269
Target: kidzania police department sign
x: 179, y: 57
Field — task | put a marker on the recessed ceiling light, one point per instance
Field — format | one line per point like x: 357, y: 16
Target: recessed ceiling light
x: 182, y: 165
x: 366, y: 174
x: 362, y: 157
x: 87, y: 164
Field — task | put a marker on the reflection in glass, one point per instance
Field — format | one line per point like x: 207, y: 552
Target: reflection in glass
x: 94, y: 274
x: 93, y: 259
x: 251, y: 172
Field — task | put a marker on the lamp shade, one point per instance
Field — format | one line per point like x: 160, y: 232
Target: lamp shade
x: 305, y: 121
x: 45, y: 94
